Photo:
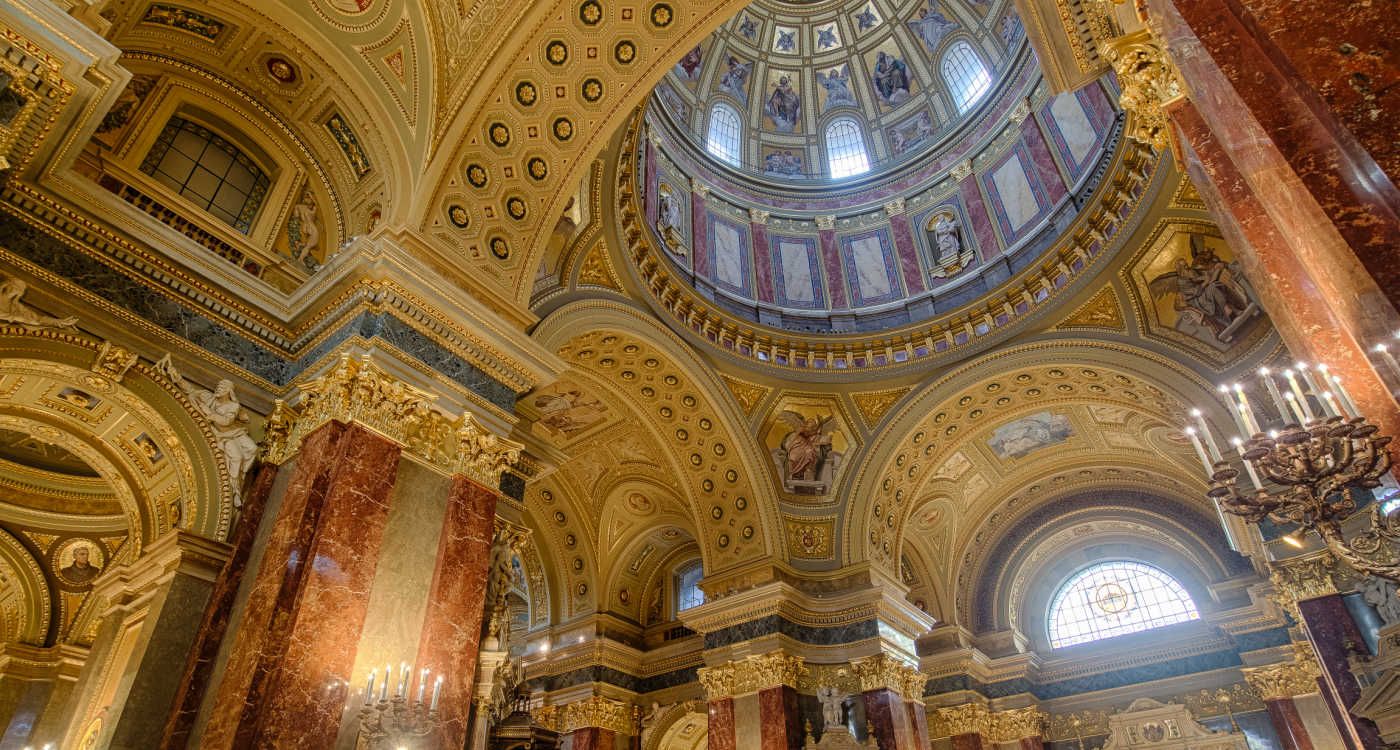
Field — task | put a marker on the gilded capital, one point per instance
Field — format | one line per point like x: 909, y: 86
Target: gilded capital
x: 358, y: 391
x: 884, y: 671
x: 751, y: 675
x: 969, y: 718
x: 1149, y: 81
x: 596, y: 711
x: 1284, y: 680
x: 1017, y: 723
x: 1300, y: 578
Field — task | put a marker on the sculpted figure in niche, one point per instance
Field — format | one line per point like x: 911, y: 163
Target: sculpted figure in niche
x: 1381, y: 594
x: 230, y: 421
x: 833, y: 714
x: 1210, y: 296
x: 805, y: 456
x: 12, y: 310
x: 668, y: 220
x: 303, y: 236
x: 950, y: 254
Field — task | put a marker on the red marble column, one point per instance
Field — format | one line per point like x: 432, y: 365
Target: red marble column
x: 1334, y: 635
x: 288, y: 671
x: 721, y: 725
x: 918, y: 719
x: 762, y: 262
x: 1292, y: 732
x: 590, y: 738
x: 888, y: 714
x: 1313, y: 216
x: 970, y: 741
x: 456, y: 604
x: 831, y: 264
x: 199, y: 668
x: 1032, y: 743
x: 908, y: 254
x: 780, y: 721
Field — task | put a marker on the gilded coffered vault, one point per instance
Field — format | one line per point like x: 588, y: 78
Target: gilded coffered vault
x: 646, y: 373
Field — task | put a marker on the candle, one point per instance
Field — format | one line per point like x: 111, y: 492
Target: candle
x: 1298, y: 395
x: 1195, y: 443
x: 1274, y: 394
x: 1248, y: 467
x: 1341, y: 392
x: 1293, y: 404
x: 422, y: 682
x: 1246, y: 413
x: 384, y: 688
x: 1308, y: 378
x: 369, y: 689
x: 1205, y: 434
x: 403, y: 679
x: 1330, y: 402
x: 1389, y: 359
x: 437, y: 691
x: 1234, y: 410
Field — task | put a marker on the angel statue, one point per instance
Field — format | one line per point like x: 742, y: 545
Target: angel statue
x: 805, y: 453
x: 18, y: 313
x: 228, y: 418
x: 832, y: 709
x: 1209, y: 295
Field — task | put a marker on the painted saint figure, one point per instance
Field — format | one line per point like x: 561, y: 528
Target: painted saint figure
x: 932, y: 26
x: 807, y: 445
x: 837, y: 83
x: 735, y: 81
x: 784, y: 106
x: 891, y: 79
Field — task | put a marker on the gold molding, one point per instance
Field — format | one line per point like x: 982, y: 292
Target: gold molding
x: 1102, y: 311
x: 358, y: 391
x: 874, y: 405
x: 751, y: 675
x: 1150, y: 82
x: 595, y: 712
x: 884, y: 671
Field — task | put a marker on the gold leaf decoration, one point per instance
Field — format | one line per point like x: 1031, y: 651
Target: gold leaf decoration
x: 597, y: 271
x: 747, y: 394
x: 1101, y: 311
x: 874, y: 405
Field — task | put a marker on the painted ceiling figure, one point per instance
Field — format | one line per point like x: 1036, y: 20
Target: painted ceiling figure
x: 806, y: 444
x: 784, y: 105
x: 1208, y: 290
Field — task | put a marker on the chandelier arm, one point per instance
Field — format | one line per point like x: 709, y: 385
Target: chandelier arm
x: 1331, y: 533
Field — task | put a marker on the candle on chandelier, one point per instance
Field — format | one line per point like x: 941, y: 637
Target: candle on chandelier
x: 1200, y: 453
x: 384, y: 688
x: 1248, y: 467
x: 1389, y: 359
x: 1246, y: 413
x: 369, y: 688
x: 422, y: 682
x: 1347, y: 401
x: 1293, y: 405
x: 1308, y: 377
x: 1298, y: 396
x: 403, y: 680
x: 1330, y: 401
x: 437, y: 692
x: 1274, y: 394
x: 1234, y: 408
x: 1205, y: 435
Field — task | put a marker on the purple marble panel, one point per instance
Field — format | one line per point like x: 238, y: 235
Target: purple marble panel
x: 762, y: 261
x: 978, y: 216
x: 908, y: 254
x: 831, y: 264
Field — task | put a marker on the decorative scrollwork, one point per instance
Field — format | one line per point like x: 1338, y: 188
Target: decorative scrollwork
x: 1149, y: 82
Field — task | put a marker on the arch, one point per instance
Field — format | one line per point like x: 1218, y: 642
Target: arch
x: 922, y: 437
x: 1116, y: 597
x: 26, y: 603
x: 636, y: 360
x: 965, y: 74
x: 724, y: 135
x: 140, y: 433
x: 846, y: 152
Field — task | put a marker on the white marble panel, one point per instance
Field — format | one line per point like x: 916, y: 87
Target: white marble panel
x: 797, y: 271
x: 1074, y: 125
x: 729, y: 266
x: 1014, y: 187
x: 871, y: 274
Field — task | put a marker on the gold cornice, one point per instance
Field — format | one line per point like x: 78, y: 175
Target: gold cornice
x: 885, y: 671
x: 751, y: 675
x: 594, y: 711
x: 358, y: 391
x: 1305, y: 577
x: 1284, y: 680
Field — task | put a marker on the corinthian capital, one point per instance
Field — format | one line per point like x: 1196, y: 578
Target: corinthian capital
x: 1149, y: 82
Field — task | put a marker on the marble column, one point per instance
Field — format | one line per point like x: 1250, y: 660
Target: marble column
x: 35, y: 684
x: 1278, y: 684
x: 199, y: 666
x: 1307, y: 209
x: 1334, y: 637
x: 593, y: 738
x: 779, y: 718
x: 288, y: 671
x: 699, y: 230
x: 892, y: 693
x: 910, y: 268
x: 721, y: 724
x: 451, y: 635
x: 153, y: 609
x: 968, y: 726
x: 969, y: 741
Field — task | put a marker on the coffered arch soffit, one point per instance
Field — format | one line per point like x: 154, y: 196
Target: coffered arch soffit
x: 713, y: 459
x: 138, y: 432
x: 1011, y: 416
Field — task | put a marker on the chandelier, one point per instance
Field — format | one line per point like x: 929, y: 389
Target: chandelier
x: 1309, y: 471
x: 394, y: 722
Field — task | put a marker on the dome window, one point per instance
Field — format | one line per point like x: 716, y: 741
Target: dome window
x: 722, y: 140
x: 966, y: 75
x: 845, y: 149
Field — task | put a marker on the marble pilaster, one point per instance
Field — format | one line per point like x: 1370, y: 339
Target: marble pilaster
x: 908, y: 253
x: 1278, y: 684
x: 779, y: 718
x: 699, y: 234
x: 1292, y: 732
x: 289, y: 668
x: 1334, y: 634
x: 153, y: 609
x: 35, y: 684
x: 831, y: 263
x: 762, y: 258
x: 721, y: 724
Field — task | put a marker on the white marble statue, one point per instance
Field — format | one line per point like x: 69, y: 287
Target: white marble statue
x: 668, y: 221
x: 12, y: 310
x: 230, y: 421
x: 302, y: 231
x: 831, y: 699
x: 945, y: 233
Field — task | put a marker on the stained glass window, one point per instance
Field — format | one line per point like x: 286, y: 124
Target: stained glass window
x: 1110, y: 599
x: 216, y: 175
x: 967, y: 77
x: 725, y: 129
x: 845, y: 149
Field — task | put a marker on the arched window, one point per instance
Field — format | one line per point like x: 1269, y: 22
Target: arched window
x: 967, y: 77
x: 845, y: 149
x: 725, y: 129
x: 688, y: 593
x: 1109, y: 599
x: 216, y: 175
